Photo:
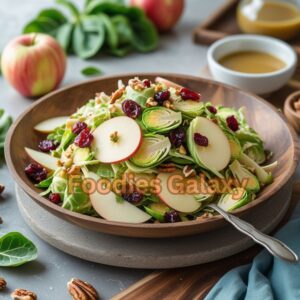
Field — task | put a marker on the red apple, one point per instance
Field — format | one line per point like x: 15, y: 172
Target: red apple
x: 163, y: 13
x: 34, y: 64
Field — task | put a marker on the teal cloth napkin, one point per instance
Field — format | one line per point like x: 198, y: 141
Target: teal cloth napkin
x: 267, y: 278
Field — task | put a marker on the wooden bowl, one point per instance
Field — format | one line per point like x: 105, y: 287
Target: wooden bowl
x: 270, y: 124
x: 291, y: 114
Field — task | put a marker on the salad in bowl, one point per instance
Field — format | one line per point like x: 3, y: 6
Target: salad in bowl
x: 149, y: 152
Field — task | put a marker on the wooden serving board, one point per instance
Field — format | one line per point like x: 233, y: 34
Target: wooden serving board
x: 193, y: 282
x: 223, y: 23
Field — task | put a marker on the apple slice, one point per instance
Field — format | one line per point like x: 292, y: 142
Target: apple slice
x: 185, y: 203
x: 168, y: 83
x: 117, y: 139
x: 49, y: 125
x: 214, y: 157
x: 107, y: 206
x: 43, y: 159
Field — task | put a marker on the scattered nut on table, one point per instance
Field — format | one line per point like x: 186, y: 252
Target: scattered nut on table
x: 81, y: 290
x: 2, y: 188
x: 297, y: 105
x: 2, y: 282
x: 21, y: 294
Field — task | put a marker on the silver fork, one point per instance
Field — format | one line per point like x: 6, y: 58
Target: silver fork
x: 274, y: 246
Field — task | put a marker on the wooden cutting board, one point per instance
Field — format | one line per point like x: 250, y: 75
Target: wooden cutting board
x: 193, y: 282
x: 223, y: 23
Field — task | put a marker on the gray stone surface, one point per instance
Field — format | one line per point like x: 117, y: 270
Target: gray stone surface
x: 49, y: 274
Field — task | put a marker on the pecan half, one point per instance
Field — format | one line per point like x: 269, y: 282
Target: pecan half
x: 81, y: 290
x: 2, y: 283
x: 21, y: 294
x: 2, y: 188
x: 167, y: 168
x: 151, y: 102
x: 116, y: 95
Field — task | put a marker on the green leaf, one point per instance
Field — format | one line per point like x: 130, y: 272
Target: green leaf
x: 123, y: 29
x: 111, y: 33
x: 5, y: 122
x: 16, y: 249
x: 88, y: 36
x: 70, y: 6
x: 145, y: 36
x: 53, y: 14
x: 91, y: 71
x: 64, y: 35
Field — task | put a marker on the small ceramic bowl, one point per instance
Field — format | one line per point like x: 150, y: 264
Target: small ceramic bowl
x: 262, y: 83
x: 292, y: 115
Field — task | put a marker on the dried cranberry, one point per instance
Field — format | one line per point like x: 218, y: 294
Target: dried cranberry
x: 212, y: 109
x: 84, y: 139
x: 78, y: 127
x: 134, y: 197
x: 200, y: 139
x: 47, y: 145
x: 177, y: 136
x: 146, y: 83
x: 187, y: 94
x: 131, y: 109
x: 172, y: 216
x: 232, y: 123
x: 162, y: 96
x: 36, y: 172
x: 55, y: 198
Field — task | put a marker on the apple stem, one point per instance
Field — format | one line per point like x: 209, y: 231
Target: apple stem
x: 114, y: 137
x: 33, y: 39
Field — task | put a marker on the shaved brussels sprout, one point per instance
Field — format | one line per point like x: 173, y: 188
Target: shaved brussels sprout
x: 140, y: 97
x: 241, y: 173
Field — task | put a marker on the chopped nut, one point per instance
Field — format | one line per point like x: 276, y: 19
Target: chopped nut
x: 2, y: 283
x: 116, y: 95
x: 206, y: 215
x: 74, y: 170
x: 297, y: 104
x: 113, y: 109
x: 21, y: 294
x: 101, y: 98
x: 70, y: 123
x: 151, y: 102
x: 188, y: 171
x: 177, y: 92
x: 63, y: 173
x: 167, y: 168
x: 182, y: 150
x: 68, y: 163
x: 158, y: 88
x: 2, y: 188
x: 168, y: 104
x: 59, y: 163
x: 81, y: 290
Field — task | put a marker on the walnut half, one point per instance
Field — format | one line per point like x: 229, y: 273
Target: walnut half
x: 81, y: 290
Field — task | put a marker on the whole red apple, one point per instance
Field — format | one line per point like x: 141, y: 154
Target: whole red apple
x: 34, y: 64
x: 163, y: 13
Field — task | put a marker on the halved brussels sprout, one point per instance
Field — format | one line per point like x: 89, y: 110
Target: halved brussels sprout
x: 255, y: 151
x: 236, y: 199
x: 241, y: 173
x: 152, y: 152
x: 263, y: 176
x: 189, y: 108
x: 140, y: 97
x: 161, y: 119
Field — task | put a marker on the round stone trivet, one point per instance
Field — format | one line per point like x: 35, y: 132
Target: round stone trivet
x: 145, y: 253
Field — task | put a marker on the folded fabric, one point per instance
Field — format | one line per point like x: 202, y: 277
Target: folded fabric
x: 267, y: 278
